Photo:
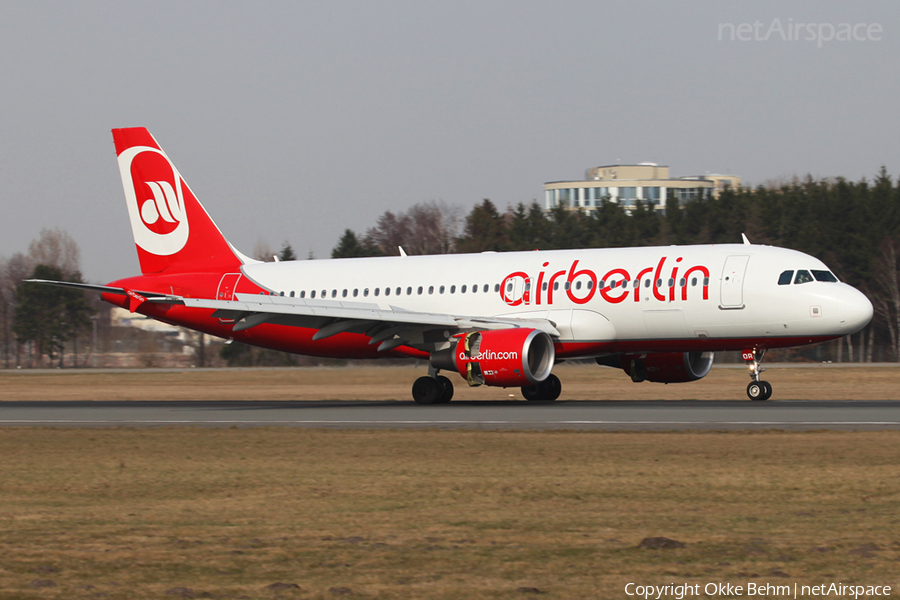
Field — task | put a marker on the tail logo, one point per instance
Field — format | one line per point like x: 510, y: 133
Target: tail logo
x: 154, y: 193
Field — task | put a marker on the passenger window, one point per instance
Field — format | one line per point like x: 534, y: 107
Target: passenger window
x: 397, y: 292
x: 706, y: 281
x: 568, y: 285
x: 344, y: 294
x: 430, y: 289
x: 312, y: 294
x: 577, y: 285
x: 659, y: 283
x: 785, y: 278
x: 602, y: 284
x: 496, y: 287
x: 682, y: 282
x: 387, y: 291
x: 486, y: 288
x: 292, y: 293
x: 334, y: 293
x: 442, y: 290
x: 590, y: 284
x: 693, y: 281
x: 324, y: 294
x: 419, y: 291
x: 452, y: 289
x: 826, y: 276
x: 671, y: 282
x: 355, y: 292
x: 509, y: 287
x: 803, y: 276
x: 544, y: 286
x: 555, y: 285
x: 475, y: 288
x: 366, y: 293
x: 409, y: 291
x: 462, y: 290
x: 377, y: 291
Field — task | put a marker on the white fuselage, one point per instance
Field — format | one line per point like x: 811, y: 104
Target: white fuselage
x: 715, y: 296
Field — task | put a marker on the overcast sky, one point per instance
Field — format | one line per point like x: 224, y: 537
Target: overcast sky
x: 295, y: 120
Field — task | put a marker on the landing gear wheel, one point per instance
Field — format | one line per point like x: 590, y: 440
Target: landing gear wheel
x: 446, y: 389
x: 427, y: 390
x: 552, y: 388
x: 759, y: 390
x: 547, y: 390
x: 532, y: 393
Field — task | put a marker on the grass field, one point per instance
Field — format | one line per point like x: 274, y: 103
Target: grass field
x: 191, y: 512
x: 580, y: 382
x: 438, y: 514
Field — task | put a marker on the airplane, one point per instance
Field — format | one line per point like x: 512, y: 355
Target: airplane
x: 498, y: 319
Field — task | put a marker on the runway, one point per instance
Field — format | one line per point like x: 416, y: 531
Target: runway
x: 573, y: 415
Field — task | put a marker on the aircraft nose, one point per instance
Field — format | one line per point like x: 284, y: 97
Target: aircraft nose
x: 855, y: 310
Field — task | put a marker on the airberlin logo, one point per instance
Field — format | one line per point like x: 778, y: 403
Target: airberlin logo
x: 154, y: 193
x: 663, y: 283
x: 489, y: 355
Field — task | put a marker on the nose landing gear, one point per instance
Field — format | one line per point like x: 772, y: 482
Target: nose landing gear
x: 757, y: 389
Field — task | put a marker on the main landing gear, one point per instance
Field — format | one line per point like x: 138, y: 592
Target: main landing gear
x: 757, y: 389
x: 437, y: 389
x: 546, y: 391
x: 432, y: 389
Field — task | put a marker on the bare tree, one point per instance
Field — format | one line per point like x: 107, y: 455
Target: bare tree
x: 426, y: 228
x: 55, y: 248
x: 263, y: 251
x: 18, y: 268
x: 7, y: 300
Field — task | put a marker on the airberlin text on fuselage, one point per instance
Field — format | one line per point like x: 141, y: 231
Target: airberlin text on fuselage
x: 613, y: 286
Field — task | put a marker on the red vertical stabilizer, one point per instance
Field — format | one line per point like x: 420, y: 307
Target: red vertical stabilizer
x: 172, y: 230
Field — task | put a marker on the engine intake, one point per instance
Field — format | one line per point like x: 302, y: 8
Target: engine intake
x: 500, y: 357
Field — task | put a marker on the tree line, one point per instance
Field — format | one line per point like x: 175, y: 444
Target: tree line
x: 41, y: 320
x: 854, y: 227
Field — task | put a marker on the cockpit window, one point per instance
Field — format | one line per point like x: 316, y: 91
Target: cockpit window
x: 803, y: 276
x: 785, y: 278
x: 826, y: 276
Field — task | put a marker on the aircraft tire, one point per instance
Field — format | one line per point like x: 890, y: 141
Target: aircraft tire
x: 756, y: 390
x: 552, y: 388
x: 532, y: 393
x: 427, y: 390
x: 767, y: 391
x: 446, y: 389
x: 547, y: 390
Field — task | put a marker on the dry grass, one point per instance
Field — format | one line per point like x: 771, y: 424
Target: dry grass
x: 580, y: 382
x: 439, y: 514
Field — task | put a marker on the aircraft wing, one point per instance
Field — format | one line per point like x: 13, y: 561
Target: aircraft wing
x: 389, y: 327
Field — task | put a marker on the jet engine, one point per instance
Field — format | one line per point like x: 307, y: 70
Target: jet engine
x: 499, y: 357
x: 662, y: 367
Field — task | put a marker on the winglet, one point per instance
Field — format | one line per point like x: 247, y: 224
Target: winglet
x: 746, y: 241
x: 402, y: 251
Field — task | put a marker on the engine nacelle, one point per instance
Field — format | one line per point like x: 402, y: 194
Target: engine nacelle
x: 500, y: 357
x: 662, y: 367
